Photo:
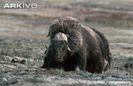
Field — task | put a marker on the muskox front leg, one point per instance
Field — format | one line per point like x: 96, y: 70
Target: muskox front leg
x: 81, y: 64
x: 81, y: 61
x: 47, y: 62
x: 48, y: 58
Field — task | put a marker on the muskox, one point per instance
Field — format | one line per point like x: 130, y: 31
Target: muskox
x: 75, y: 46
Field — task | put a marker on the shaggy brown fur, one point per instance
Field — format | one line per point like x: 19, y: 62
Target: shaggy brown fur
x: 89, y: 47
x: 105, y: 48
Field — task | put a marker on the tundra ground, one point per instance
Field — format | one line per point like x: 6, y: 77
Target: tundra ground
x: 23, y: 37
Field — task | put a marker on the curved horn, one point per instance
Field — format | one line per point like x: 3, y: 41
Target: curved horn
x: 61, y: 36
x: 69, y: 49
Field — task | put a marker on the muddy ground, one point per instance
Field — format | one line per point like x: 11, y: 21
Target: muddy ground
x: 23, y: 37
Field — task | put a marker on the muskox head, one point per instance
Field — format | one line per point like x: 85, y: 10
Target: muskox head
x: 59, y: 46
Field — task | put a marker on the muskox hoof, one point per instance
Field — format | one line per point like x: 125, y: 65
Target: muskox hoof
x: 45, y: 67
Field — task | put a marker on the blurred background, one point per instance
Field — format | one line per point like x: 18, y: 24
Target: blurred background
x: 112, y: 17
x: 23, y: 31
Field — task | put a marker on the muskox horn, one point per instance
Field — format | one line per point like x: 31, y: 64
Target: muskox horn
x: 69, y: 49
x: 60, y: 36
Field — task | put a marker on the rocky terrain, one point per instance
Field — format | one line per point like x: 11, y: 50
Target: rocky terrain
x: 23, y: 41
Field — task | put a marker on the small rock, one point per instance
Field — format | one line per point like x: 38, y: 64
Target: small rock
x: 18, y: 60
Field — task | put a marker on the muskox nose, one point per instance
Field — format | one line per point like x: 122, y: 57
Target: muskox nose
x: 58, y: 59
